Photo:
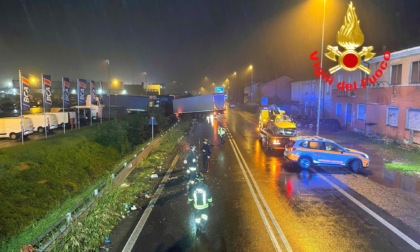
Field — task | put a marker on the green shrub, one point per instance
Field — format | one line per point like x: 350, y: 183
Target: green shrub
x: 114, y: 134
x: 137, y: 129
x: 42, y: 180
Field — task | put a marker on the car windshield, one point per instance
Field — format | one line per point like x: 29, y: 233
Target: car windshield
x: 282, y: 118
x: 335, y: 146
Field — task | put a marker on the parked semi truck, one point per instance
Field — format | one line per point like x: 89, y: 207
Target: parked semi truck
x: 202, y: 104
x: 275, y: 128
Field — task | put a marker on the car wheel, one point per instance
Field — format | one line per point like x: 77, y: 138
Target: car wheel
x: 305, y: 162
x: 355, y: 166
x: 13, y: 136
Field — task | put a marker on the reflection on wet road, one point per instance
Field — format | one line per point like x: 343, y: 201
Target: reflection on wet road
x: 310, y: 210
x: 262, y: 204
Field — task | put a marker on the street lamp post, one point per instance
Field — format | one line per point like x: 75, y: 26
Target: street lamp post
x: 109, y: 92
x: 252, y: 81
x: 320, y: 83
x: 252, y: 74
x: 234, y: 84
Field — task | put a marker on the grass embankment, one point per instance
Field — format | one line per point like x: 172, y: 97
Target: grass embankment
x: 43, y: 180
x: 40, y: 175
x: 394, y: 154
x: 87, y: 234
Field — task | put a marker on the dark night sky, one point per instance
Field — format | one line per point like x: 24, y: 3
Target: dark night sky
x: 185, y: 40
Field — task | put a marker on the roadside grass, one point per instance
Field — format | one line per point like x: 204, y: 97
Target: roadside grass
x: 41, y: 176
x: 88, y: 233
x: 112, y: 202
x: 406, y: 161
x: 37, y: 228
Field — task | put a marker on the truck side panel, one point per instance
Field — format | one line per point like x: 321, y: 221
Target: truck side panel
x: 128, y: 102
x: 193, y: 104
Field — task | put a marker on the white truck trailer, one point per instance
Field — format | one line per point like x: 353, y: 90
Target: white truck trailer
x: 202, y: 104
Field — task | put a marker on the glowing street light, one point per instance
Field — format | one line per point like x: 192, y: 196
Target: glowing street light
x: 33, y: 79
x: 251, y: 68
x: 234, y: 84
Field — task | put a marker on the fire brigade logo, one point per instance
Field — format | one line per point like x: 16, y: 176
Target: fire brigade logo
x: 350, y: 37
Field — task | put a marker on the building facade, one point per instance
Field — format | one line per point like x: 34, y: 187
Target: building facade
x: 306, y: 95
x: 390, y: 105
x: 278, y: 90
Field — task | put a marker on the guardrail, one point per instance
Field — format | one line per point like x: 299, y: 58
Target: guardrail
x: 59, y: 228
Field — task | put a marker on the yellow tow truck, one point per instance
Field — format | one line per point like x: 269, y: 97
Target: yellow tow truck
x: 275, y: 127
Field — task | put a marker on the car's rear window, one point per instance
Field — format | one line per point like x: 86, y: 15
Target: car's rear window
x: 304, y: 144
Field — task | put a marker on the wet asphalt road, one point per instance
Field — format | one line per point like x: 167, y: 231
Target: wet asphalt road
x: 262, y: 205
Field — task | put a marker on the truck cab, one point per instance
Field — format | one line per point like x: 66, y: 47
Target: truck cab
x: 275, y: 128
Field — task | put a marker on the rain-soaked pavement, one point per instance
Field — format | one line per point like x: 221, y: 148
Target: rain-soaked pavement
x: 387, y: 177
x: 260, y: 204
x: 377, y: 171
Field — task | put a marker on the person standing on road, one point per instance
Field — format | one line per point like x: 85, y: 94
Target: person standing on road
x: 191, y: 163
x: 201, y: 196
x: 222, y: 133
x: 206, y: 154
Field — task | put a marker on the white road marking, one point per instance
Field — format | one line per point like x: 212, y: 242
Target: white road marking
x: 139, y: 227
x: 372, y: 213
x: 244, y: 166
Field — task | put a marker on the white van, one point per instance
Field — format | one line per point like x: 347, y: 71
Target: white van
x: 10, y: 127
x: 95, y: 112
x: 62, y: 117
x: 43, y: 122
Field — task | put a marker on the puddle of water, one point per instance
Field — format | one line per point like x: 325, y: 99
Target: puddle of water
x: 388, y: 177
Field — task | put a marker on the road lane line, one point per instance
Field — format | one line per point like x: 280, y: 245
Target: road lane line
x: 372, y: 213
x: 257, y: 203
x: 139, y: 227
x: 267, y: 208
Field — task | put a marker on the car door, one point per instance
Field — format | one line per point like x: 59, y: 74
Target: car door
x: 333, y: 154
x: 316, y: 152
